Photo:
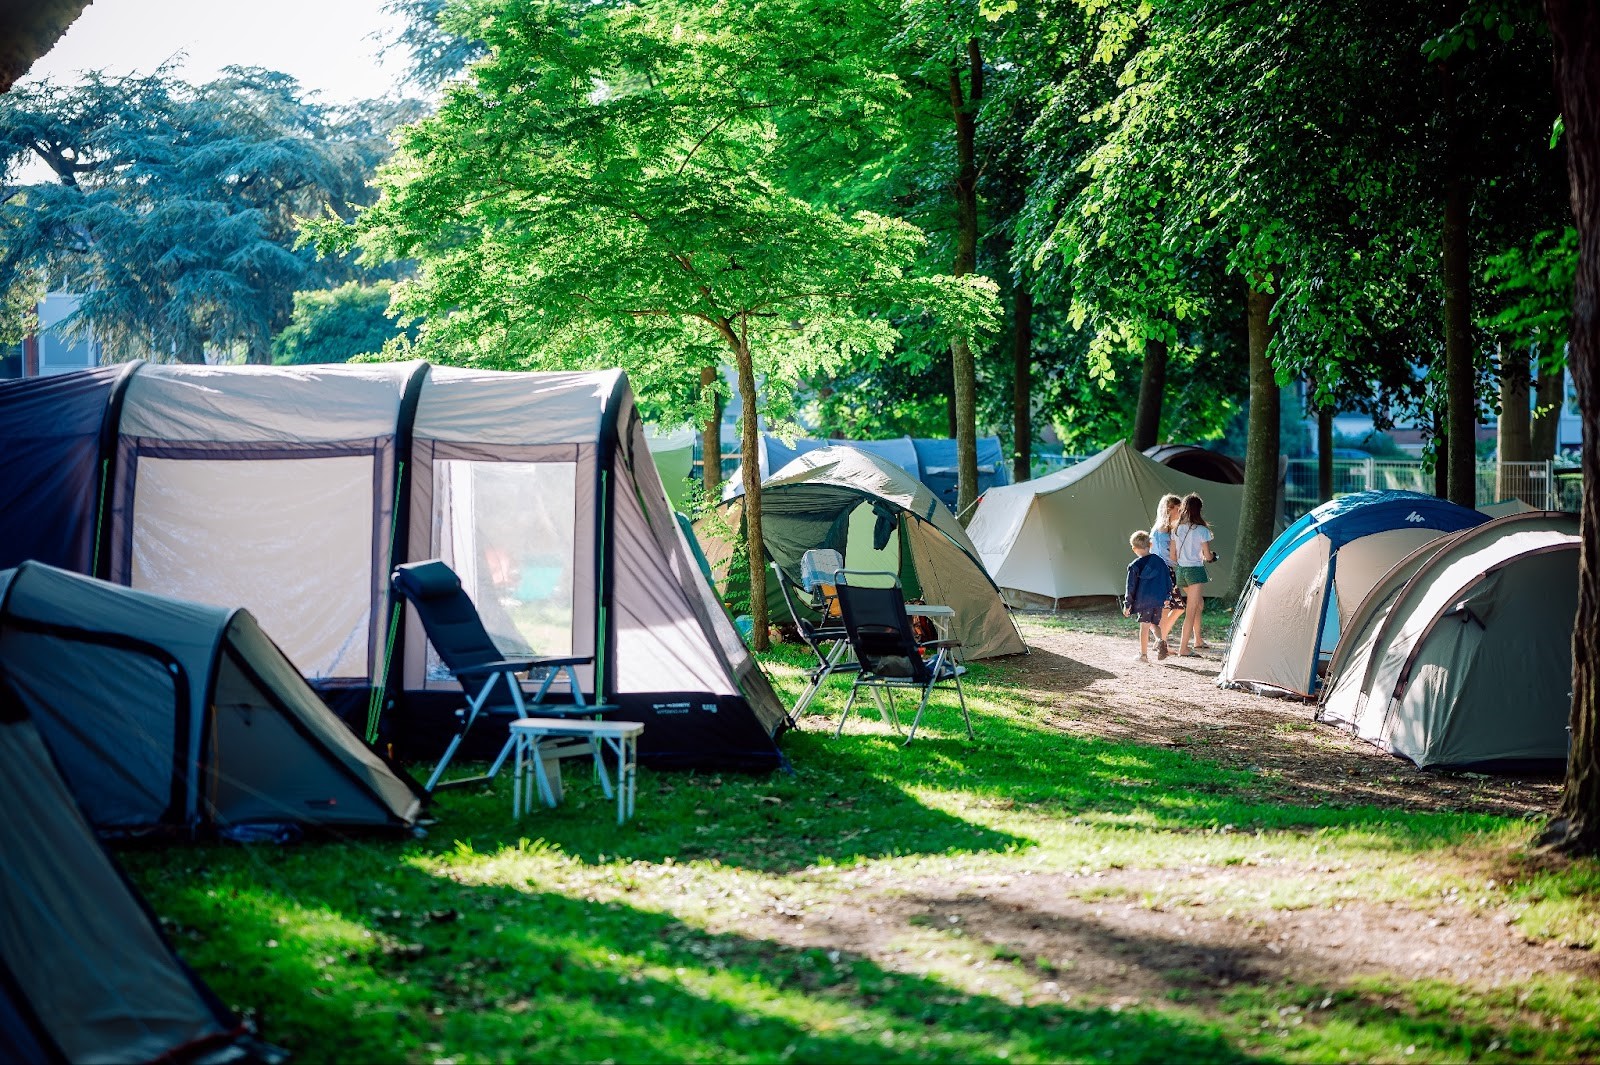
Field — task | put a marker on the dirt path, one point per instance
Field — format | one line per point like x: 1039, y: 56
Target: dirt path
x: 1119, y: 937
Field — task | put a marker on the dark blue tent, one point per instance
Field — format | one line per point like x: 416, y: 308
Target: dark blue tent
x: 55, y: 437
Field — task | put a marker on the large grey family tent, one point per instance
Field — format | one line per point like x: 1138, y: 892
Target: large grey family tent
x: 293, y: 492
x: 1199, y: 462
x: 165, y: 714
x: 931, y: 461
x: 1314, y: 576
x: 1462, y: 653
x: 1066, y: 535
x: 85, y: 974
x: 879, y: 517
x: 55, y: 436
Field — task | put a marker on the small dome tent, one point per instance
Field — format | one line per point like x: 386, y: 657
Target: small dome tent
x: 293, y: 491
x: 169, y: 715
x: 879, y: 517
x: 930, y: 460
x: 1066, y: 534
x: 1197, y: 462
x: 1462, y: 654
x: 85, y: 973
x: 1316, y: 573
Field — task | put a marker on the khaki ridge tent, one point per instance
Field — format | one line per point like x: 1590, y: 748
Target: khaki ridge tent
x: 1066, y: 535
x: 1462, y: 654
x: 85, y: 973
x: 1314, y: 576
x: 166, y: 715
x: 1198, y: 462
x: 673, y: 451
x: 881, y: 518
x: 293, y: 491
x: 1507, y: 506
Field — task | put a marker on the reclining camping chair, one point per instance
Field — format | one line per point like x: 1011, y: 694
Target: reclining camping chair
x: 891, y: 656
x: 457, y: 633
x: 830, y: 660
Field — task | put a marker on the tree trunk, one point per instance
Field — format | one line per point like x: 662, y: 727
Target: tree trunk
x: 1460, y: 394
x: 1258, y: 513
x: 711, y: 436
x: 750, y: 458
x: 1575, y: 27
x: 1022, y: 382
x: 1513, y: 442
x: 1152, y: 384
x: 963, y: 366
x: 1549, y: 395
x: 1324, y: 454
x: 1441, y: 458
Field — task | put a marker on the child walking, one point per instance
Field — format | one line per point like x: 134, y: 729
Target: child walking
x: 1149, y: 585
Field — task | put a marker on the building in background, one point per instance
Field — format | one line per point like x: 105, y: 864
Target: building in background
x: 51, y: 350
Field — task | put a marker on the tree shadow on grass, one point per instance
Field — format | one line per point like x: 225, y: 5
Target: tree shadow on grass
x: 416, y: 966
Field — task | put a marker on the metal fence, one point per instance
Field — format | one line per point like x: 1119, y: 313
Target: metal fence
x: 1537, y: 484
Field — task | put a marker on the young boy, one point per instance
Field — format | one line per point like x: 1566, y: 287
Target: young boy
x: 1149, y: 585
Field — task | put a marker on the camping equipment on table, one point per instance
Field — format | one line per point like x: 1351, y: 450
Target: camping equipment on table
x: 1314, y: 576
x: 1461, y: 655
x: 890, y: 655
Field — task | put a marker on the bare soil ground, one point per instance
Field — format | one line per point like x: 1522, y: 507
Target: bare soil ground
x: 1117, y: 937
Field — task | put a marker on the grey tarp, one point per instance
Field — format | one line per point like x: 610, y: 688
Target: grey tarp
x: 1462, y: 654
x: 168, y: 714
x: 855, y: 502
x: 1066, y: 535
x: 930, y: 460
x: 84, y: 974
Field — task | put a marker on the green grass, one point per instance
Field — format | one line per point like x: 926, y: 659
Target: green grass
x: 717, y: 926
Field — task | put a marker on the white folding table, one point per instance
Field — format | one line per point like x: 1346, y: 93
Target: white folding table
x: 530, y: 734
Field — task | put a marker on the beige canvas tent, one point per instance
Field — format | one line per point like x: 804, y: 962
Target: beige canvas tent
x: 1462, y: 653
x: 1066, y: 535
x: 879, y: 517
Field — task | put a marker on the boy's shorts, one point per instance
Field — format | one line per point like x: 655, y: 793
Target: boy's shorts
x: 1150, y: 617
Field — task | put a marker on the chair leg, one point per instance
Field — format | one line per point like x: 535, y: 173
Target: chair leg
x: 926, y: 693
x: 855, y: 689
x: 817, y: 677
x: 522, y: 713
x: 893, y: 715
x: 962, y: 695
x: 468, y: 716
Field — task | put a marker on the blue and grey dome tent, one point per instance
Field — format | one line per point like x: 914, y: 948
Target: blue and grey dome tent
x: 1315, y: 574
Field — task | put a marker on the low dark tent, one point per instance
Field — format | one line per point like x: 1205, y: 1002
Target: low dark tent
x: 1197, y: 462
x: 53, y: 434
x: 164, y: 714
x: 85, y: 975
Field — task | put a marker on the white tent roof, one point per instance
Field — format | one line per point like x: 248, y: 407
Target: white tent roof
x: 1066, y: 534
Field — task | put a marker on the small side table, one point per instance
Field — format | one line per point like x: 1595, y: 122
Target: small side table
x: 531, y: 735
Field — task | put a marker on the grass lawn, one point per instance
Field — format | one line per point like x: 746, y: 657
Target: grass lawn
x: 994, y: 901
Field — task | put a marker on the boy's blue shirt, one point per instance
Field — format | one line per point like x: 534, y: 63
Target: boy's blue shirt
x: 1149, y: 583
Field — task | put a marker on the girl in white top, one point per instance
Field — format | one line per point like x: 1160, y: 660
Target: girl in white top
x: 1167, y: 514
x: 1191, y: 543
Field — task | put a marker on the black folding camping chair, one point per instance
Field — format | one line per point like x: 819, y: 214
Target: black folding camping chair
x: 489, y: 679
x: 890, y: 655
x: 831, y: 658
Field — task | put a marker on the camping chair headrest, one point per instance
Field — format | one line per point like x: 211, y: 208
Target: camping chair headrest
x: 427, y: 580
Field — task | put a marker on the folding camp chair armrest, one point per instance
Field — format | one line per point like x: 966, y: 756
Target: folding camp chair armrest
x: 938, y: 645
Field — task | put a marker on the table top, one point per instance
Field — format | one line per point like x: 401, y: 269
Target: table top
x: 576, y: 726
x: 929, y: 610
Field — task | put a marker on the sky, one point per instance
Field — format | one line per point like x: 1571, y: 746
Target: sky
x: 328, y: 45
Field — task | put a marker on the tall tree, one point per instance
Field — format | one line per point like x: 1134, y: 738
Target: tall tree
x: 612, y: 186
x: 173, y: 211
x: 1575, y: 27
